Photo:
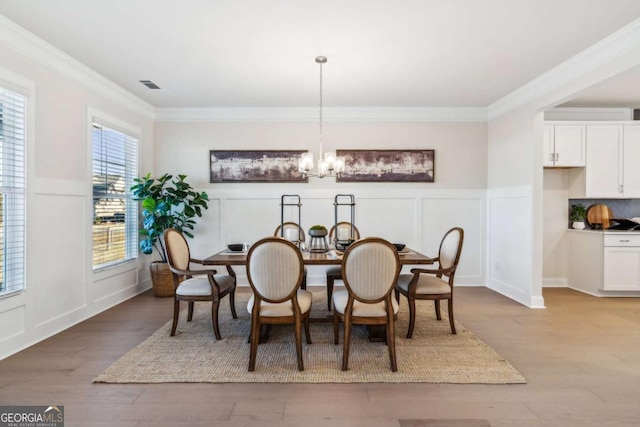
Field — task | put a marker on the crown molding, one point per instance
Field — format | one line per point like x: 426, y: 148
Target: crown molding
x: 21, y: 40
x: 589, y: 114
x: 615, y: 46
x: 336, y: 114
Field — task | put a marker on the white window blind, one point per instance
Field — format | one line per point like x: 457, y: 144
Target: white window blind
x: 12, y: 191
x: 115, y: 213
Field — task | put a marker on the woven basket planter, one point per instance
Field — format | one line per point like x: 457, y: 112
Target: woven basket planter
x: 162, y: 279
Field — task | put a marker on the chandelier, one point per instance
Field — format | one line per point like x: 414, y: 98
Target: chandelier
x: 330, y: 165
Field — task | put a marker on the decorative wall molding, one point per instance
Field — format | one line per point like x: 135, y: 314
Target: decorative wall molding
x: 615, y: 46
x: 336, y: 114
x: 595, y: 114
x: 16, y: 37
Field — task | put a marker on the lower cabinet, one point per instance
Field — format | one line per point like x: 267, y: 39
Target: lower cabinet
x: 621, y: 263
x: 604, y: 263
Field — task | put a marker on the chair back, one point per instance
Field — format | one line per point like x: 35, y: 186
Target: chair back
x: 274, y: 269
x: 178, y: 254
x: 344, y: 228
x: 370, y: 269
x: 289, y: 230
x: 450, y: 249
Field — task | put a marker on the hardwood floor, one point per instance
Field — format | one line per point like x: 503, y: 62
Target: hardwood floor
x: 580, y: 356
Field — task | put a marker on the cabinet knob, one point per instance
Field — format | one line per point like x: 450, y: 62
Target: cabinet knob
x: 624, y: 241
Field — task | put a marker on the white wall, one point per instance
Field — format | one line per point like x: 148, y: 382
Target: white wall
x: 61, y: 288
x: 556, y: 211
x: 414, y: 213
x: 514, y: 206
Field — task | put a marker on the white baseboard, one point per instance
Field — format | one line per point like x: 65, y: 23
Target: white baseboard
x: 555, y: 282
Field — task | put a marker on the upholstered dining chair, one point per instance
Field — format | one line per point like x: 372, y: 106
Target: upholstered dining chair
x: 433, y: 284
x: 275, y: 271
x: 370, y: 270
x: 289, y: 230
x: 335, y: 273
x: 196, y: 285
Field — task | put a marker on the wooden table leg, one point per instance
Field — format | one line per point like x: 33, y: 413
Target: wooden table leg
x: 377, y: 333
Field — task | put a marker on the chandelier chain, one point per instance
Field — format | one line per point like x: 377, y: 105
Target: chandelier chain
x: 320, y: 108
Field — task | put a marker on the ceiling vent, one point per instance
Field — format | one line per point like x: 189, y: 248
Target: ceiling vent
x: 149, y: 84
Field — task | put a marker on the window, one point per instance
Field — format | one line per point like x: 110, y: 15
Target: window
x: 115, y: 213
x: 12, y: 191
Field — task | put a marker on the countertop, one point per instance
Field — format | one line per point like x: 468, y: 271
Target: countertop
x: 607, y: 231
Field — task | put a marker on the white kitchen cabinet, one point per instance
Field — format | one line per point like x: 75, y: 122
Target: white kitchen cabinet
x: 564, y: 145
x: 621, y: 263
x: 604, y: 263
x: 604, y: 161
x: 612, y: 156
x: 631, y: 162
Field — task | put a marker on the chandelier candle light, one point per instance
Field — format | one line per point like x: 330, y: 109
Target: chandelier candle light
x: 331, y: 165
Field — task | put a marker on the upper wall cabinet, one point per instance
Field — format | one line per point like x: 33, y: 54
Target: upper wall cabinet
x: 613, y: 151
x: 564, y: 145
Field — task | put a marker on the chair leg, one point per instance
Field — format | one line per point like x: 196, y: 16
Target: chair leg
x: 330, y: 281
x: 347, y: 339
x: 214, y: 316
x: 412, y: 316
x: 436, y: 304
x: 176, y: 311
x: 303, y: 285
x: 232, y: 303
x: 190, y: 315
x: 450, y: 307
x: 254, y: 337
x: 336, y: 328
x: 391, y: 340
x: 306, y: 329
x: 298, y: 331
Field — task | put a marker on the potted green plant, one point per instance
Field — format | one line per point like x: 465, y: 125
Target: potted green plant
x: 577, y: 215
x: 167, y: 202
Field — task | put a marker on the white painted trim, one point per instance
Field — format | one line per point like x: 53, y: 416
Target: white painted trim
x: 16, y: 37
x: 608, y: 294
x: 537, y: 302
x: 555, y: 282
x: 614, y: 46
x: 509, y: 291
x: 337, y: 114
x: 589, y: 114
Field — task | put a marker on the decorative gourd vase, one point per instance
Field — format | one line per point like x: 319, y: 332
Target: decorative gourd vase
x: 578, y: 225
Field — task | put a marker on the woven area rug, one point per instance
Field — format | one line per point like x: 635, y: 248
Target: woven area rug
x: 433, y: 355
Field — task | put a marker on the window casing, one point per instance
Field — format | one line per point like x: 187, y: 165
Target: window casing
x: 115, y: 213
x: 12, y: 191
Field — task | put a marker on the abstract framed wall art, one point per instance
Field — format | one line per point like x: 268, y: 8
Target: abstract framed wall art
x: 387, y: 165
x: 255, y: 166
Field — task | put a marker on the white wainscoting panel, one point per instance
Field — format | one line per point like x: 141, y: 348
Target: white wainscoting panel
x: 440, y: 215
x: 59, y: 281
x: 393, y: 219
x: 113, y: 285
x: 15, y: 317
x: 509, y: 243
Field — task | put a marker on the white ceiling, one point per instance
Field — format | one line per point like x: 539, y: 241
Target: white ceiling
x: 383, y: 53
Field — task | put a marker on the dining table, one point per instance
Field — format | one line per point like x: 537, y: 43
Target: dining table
x: 407, y: 256
x: 332, y: 257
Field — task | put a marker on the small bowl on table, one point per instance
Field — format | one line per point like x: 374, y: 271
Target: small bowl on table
x: 236, y: 247
x: 342, y: 245
x: 399, y: 246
